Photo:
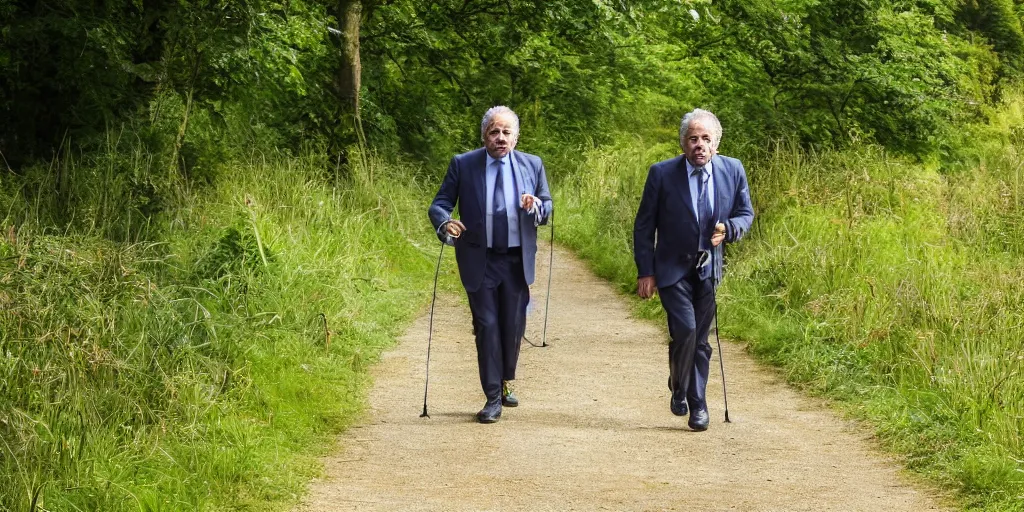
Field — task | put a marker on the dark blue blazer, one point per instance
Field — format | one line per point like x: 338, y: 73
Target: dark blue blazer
x: 666, y: 235
x: 465, y: 185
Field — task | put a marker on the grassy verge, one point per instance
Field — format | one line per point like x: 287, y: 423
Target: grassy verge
x: 890, y: 286
x: 191, y: 368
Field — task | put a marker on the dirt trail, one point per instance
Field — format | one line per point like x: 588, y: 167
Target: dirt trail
x: 594, y: 430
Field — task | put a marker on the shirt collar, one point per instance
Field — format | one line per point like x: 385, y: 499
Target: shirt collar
x: 491, y: 159
x: 690, y: 167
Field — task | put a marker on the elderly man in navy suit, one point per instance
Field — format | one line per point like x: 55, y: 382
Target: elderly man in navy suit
x: 502, y: 195
x: 691, y: 205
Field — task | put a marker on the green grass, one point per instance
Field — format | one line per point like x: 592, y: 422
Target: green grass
x: 890, y: 286
x: 183, y: 363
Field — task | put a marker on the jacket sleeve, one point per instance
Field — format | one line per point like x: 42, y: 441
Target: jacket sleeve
x: 742, y: 215
x: 441, y: 208
x: 544, y: 194
x: 645, y: 225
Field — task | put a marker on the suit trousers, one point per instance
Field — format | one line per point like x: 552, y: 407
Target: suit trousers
x: 498, y: 309
x: 690, y: 307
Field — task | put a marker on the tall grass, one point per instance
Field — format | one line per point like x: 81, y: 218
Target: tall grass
x: 201, y: 360
x: 893, y: 287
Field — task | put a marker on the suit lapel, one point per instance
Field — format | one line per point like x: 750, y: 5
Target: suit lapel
x: 682, y: 179
x: 517, y: 173
x: 719, y: 171
x: 479, y: 171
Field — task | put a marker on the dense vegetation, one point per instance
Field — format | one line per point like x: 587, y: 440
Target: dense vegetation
x: 212, y: 214
x: 262, y: 72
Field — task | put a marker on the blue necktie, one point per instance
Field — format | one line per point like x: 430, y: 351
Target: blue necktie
x: 499, y: 223
x: 703, y: 209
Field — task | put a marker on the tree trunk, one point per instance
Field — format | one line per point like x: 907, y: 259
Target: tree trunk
x: 350, y: 13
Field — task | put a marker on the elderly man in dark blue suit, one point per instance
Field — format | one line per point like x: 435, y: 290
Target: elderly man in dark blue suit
x: 691, y: 205
x: 502, y: 195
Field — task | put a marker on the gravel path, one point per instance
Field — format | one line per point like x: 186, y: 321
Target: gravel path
x: 594, y: 430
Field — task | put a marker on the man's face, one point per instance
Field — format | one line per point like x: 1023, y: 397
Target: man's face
x: 697, y: 144
x: 500, y: 137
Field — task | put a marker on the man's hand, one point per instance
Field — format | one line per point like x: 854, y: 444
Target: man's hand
x: 455, y: 227
x: 526, y: 201
x: 645, y: 287
x: 719, y: 235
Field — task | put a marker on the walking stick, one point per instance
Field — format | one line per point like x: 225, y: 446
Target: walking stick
x: 551, y: 269
x: 721, y: 358
x: 430, y: 331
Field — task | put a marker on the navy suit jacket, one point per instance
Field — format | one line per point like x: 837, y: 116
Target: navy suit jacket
x: 666, y: 236
x: 465, y: 185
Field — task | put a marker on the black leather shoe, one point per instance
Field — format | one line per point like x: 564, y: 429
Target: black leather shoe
x: 508, y: 397
x: 678, y: 405
x: 699, y: 419
x: 490, y: 413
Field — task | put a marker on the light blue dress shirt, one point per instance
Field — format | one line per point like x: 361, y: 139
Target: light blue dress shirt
x: 695, y: 186
x: 511, y: 201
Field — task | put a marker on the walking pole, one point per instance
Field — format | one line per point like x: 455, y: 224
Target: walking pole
x: 430, y: 331
x: 721, y: 359
x: 721, y: 362
x: 547, y: 300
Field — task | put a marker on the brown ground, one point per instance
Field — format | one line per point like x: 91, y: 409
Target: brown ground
x: 594, y: 430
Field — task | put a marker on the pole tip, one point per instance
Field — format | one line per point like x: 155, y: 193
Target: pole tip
x: 727, y: 417
x: 424, y: 414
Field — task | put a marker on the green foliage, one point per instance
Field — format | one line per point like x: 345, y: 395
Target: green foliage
x: 196, y: 372
x: 65, y: 65
x: 111, y: 193
x: 565, y: 66
x: 71, y: 69
x: 840, y: 71
x: 1000, y: 22
x: 823, y: 73
x: 234, y: 253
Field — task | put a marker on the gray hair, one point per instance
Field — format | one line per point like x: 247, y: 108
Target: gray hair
x: 707, y: 119
x: 489, y: 116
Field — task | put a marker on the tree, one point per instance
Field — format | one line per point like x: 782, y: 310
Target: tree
x: 349, y: 14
